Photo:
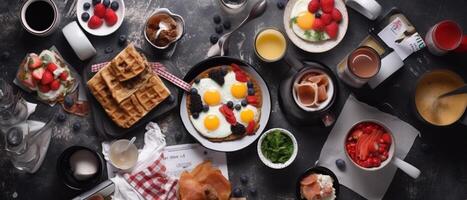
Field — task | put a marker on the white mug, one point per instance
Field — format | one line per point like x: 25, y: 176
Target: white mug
x: 78, y: 41
x: 369, y: 8
x: 47, y: 31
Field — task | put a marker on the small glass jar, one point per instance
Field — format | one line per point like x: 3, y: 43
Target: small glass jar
x: 233, y: 6
x: 362, y: 64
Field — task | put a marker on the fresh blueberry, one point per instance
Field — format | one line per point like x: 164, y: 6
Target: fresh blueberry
x: 108, y: 50
x: 197, y: 80
x: 253, y: 191
x: 86, y: 6
x: 237, y: 192
x: 340, y: 164
x: 76, y: 126
x: 114, y: 5
x: 122, y: 40
x: 219, y: 29
x: 61, y: 117
x: 238, y: 107
x: 68, y: 101
x: 280, y: 4
x: 5, y: 55
x: 217, y: 19
x: 85, y: 16
x: 195, y: 115
x: 226, y: 24
x: 178, y: 136
x: 251, y: 91
x: 317, y: 15
x: 249, y: 84
x: 106, y: 3
x: 205, y: 108
x: 193, y: 91
x: 244, y: 179
x: 230, y: 104
x: 95, y: 2
x: 213, y: 39
x: 244, y: 102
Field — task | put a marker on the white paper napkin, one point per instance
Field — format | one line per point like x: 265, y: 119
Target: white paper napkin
x: 371, y: 185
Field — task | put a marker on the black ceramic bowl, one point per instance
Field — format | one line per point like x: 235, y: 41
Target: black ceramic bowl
x: 317, y: 170
x: 66, y: 174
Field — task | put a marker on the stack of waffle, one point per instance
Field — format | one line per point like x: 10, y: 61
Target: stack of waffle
x: 127, y: 89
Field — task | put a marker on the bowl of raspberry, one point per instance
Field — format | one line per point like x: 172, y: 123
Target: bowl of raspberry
x: 370, y: 145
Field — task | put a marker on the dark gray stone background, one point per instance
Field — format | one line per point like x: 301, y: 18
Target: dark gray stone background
x: 443, y: 162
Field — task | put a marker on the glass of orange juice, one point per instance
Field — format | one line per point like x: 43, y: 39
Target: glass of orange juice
x: 270, y: 45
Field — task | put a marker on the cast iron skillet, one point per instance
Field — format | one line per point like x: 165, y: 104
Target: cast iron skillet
x: 317, y: 170
x: 228, y: 146
x: 294, y: 113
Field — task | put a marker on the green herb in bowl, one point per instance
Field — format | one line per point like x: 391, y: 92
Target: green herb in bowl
x: 277, y: 147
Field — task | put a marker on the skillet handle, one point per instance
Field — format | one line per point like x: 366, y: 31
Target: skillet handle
x: 293, y: 62
x: 409, y: 169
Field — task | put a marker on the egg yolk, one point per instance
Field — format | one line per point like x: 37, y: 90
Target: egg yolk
x: 239, y: 90
x: 211, y: 122
x: 305, y: 20
x: 212, y: 97
x: 247, y: 115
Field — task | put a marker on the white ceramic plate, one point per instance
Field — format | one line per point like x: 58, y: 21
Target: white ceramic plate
x: 104, y: 29
x: 235, y: 145
x: 316, y: 47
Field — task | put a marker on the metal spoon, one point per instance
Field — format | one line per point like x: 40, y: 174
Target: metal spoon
x: 129, y: 144
x: 461, y: 90
x: 162, y: 27
x: 221, y: 47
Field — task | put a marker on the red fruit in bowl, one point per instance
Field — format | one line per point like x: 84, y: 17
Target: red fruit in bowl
x: 386, y: 138
x: 373, y: 147
x: 313, y: 6
x: 99, y: 10
x: 327, y: 5
x: 332, y: 30
x: 110, y: 17
x: 95, y: 22
x: 375, y: 162
x: 34, y: 61
x: 318, y: 24
x: 38, y: 73
x: 63, y: 76
x: 44, y: 88
x: 336, y: 15
x: 55, y: 85
x: 51, y: 67
x: 47, y: 78
x: 326, y: 18
x: 28, y: 81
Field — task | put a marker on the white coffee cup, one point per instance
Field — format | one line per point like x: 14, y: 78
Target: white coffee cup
x: 47, y: 31
x: 368, y: 8
x: 78, y: 41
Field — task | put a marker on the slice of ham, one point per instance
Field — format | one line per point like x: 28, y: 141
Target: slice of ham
x: 309, y: 179
x: 320, y: 80
x: 307, y: 93
x: 311, y: 192
x: 322, y: 94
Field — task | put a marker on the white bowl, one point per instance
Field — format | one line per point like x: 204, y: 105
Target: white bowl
x: 104, y: 29
x: 266, y: 161
x: 177, y: 18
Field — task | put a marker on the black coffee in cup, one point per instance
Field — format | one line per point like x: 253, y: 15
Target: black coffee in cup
x: 40, y: 15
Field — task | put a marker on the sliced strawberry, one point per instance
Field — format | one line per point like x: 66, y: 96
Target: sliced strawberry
x: 373, y: 147
x: 240, y: 75
x: 252, y: 100
x: 326, y: 18
x: 327, y: 5
x: 44, y: 88
x: 250, y: 129
x: 336, y: 15
x: 228, y: 114
x: 55, y: 85
x: 99, y: 10
x: 47, y: 78
x: 63, y: 76
x: 318, y: 24
x: 95, y: 22
x: 110, y: 17
x: 332, y: 30
x: 34, y: 61
x: 51, y: 67
x: 28, y: 81
x: 38, y: 73
x: 356, y: 134
x: 313, y: 6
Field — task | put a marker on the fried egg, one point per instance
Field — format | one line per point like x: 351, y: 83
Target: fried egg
x: 212, y: 124
x: 209, y: 91
x: 233, y: 90
x: 247, y: 114
x: 301, y: 22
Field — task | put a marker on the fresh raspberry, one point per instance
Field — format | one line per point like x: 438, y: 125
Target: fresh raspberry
x: 95, y: 22
x: 99, y: 10
x: 110, y: 17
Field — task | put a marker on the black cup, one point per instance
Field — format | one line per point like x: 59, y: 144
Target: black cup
x: 317, y: 170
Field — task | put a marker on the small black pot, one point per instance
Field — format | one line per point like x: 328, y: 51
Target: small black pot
x: 66, y: 174
x: 317, y: 170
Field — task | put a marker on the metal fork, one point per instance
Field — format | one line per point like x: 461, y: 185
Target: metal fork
x: 72, y: 9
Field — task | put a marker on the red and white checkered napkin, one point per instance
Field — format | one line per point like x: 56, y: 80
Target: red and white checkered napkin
x: 157, y: 68
x: 153, y: 183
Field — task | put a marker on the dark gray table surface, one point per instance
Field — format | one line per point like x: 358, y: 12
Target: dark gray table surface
x: 440, y: 154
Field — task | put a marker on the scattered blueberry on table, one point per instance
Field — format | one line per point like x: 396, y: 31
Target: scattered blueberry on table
x: 122, y: 40
x: 68, y: 102
x: 226, y: 24
x: 244, y: 179
x: 340, y: 164
x: 213, y: 39
x: 219, y: 29
x: 253, y: 191
x: 216, y: 19
x: 61, y: 117
x: 237, y: 192
x: 76, y: 126
x: 281, y: 4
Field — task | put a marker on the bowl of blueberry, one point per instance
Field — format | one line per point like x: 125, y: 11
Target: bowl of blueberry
x: 100, y: 17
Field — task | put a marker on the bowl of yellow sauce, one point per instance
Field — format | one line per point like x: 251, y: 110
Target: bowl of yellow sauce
x: 270, y: 45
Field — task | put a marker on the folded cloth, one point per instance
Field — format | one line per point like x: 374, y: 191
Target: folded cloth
x: 148, y: 179
x: 371, y: 185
